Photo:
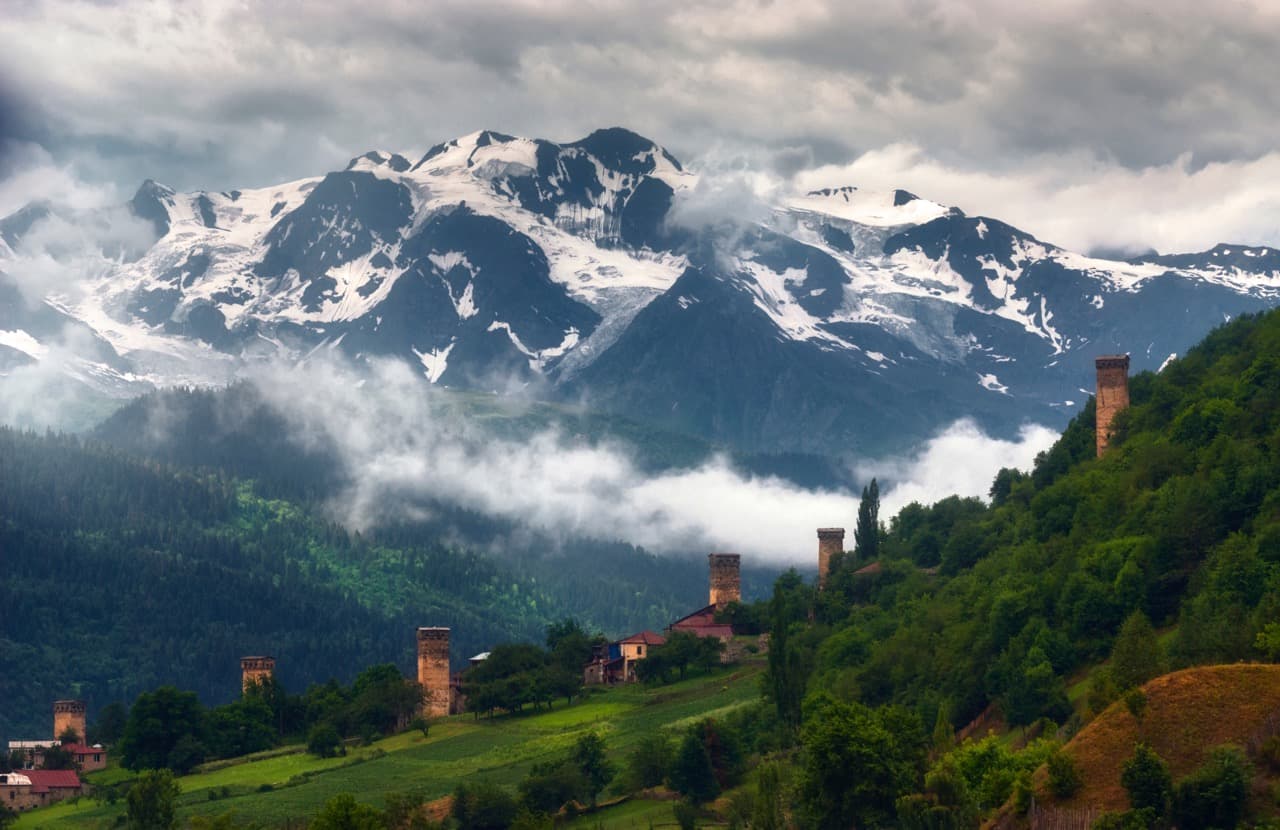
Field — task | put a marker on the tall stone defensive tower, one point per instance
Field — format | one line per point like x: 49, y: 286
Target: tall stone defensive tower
x: 726, y: 579
x: 830, y: 542
x: 70, y: 714
x: 1113, y: 394
x: 433, y: 670
x: 256, y: 670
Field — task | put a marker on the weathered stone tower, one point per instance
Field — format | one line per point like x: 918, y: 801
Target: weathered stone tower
x: 433, y: 670
x: 256, y: 670
x: 69, y: 714
x: 726, y: 579
x: 830, y: 542
x: 1113, y: 394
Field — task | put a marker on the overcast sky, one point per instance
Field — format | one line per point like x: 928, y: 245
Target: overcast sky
x: 1108, y: 124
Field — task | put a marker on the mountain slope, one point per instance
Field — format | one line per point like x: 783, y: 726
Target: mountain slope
x: 494, y: 260
x: 124, y: 574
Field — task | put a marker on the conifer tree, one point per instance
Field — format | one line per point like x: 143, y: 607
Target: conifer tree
x: 866, y: 534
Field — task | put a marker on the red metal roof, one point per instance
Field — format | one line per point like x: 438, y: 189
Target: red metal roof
x: 43, y: 780
x: 81, y: 749
x: 648, y: 638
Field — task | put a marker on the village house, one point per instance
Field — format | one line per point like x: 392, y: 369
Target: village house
x: 616, y: 662
x: 33, y: 788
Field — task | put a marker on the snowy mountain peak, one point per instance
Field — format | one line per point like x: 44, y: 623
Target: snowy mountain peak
x: 871, y: 208
x: 497, y: 257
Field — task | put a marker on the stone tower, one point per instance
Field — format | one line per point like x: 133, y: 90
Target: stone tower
x: 69, y: 714
x: 256, y: 670
x: 1113, y: 394
x: 830, y: 542
x: 433, y: 670
x: 726, y: 581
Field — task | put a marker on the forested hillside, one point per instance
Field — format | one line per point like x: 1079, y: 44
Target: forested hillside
x: 121, y: 575
x: 1180, y: 521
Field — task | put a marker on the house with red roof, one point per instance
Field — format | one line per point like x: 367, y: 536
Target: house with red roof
x: 33, y: 788
x: 702, y: 623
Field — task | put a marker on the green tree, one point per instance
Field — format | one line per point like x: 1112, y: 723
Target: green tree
x: 648, y: 762
x: 548, y: 787
x: 1146, y: 778
x: 856, y: 767
x: 483, y: 806
x: 691, y: 772
x: 158, y: 724
x: 323, y: 740
x: 55, y: 757
x: 1064, y: 778
x: 1135, y: 657
x: 1216, y: 794
x: 70, y: 736
x: 589, y: 758
x: 111, y: 723
x: 766, y: 809
x: 343, y: 812
x: 789, y: 665
x: 149, y: 804
x: 866, y: 533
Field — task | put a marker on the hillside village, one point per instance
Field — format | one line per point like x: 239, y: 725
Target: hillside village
x: 30, y: 785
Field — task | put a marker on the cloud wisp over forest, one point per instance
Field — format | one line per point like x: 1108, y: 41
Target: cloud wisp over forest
x: 399, y: 450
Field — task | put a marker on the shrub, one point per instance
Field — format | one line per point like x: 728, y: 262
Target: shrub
x: 686, y: 815
x: 323, y: 740
x: 1215, y: 794
x: 1131, y: 820
x: 1269, y: 753
x: 1064, y: 779
x: 1146, y: 777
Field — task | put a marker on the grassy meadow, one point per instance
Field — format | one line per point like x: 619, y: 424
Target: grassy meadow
x: 288, y: 788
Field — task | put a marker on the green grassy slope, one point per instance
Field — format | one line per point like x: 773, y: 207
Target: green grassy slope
x: 458, y: 749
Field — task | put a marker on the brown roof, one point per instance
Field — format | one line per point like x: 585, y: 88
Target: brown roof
x: 867, y: 570
x: 648, y: 638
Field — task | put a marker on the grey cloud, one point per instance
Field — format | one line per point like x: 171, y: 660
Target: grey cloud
x: 220, y: 95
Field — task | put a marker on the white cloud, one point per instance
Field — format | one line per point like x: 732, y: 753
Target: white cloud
x: 400, y: 449
x: 962, y: 460
x: 1081, y: 203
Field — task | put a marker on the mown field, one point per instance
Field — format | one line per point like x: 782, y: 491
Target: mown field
x: 289, y: 788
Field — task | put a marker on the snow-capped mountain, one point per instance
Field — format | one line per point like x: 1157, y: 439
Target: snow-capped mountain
x: 848, y: 320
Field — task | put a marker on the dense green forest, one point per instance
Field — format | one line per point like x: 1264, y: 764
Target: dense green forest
x: 123, y: 574
x: 1102, y: 572
x: 1179, y: 521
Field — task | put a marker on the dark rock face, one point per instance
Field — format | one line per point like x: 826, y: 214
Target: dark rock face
x: 808, y: 332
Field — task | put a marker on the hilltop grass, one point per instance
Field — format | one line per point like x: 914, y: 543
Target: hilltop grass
x: 1188, y: 714
x: 292, y: 787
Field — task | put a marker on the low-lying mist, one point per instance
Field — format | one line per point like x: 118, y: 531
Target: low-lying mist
x: 401, y: 451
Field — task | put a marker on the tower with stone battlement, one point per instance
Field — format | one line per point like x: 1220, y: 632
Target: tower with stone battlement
x: 70, y: 714
x: 830, y: 542
x: 726, y: 579
x: 433, y: 671
x: 1113, y: 394
x: 256, y: 670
